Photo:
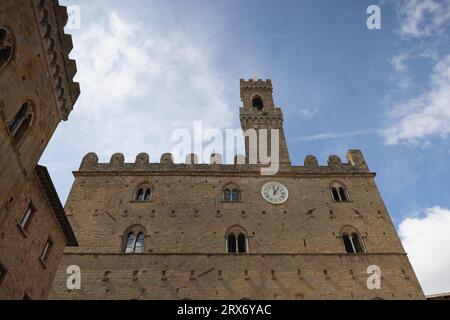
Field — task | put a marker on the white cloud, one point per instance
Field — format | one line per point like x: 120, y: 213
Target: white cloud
x: 398, y: 62
x: 338, y: 135
x: 308, y: 113
x: 427, y: 242
x: 426, y: 116
x: 421, y: 18
x: 140, y: 82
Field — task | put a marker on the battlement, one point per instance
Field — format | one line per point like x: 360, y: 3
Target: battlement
x: 355, y: 164
x: 51, y: 19
x: 258, y: 84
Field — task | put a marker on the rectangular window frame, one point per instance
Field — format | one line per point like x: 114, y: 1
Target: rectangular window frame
x: 24, y: 223
x: 46, y: 251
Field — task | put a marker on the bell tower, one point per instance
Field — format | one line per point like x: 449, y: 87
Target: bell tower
x: 259, y: 113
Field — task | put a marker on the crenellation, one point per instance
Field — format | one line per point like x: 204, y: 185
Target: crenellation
x: 142, y: 159
x: 334, y: 161
x: 356, y: 158
x: 117, y: 161
x: 89, y: 161
x: 167, y: 158
x: 251, y: 84
x: 311, y: 161
x: 142, y: 163
x: 216, y: 158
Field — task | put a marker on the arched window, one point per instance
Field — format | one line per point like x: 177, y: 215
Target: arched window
x: 231, y: 193
x: 235, y: 195
x: 342, y: 194
x: 134, y: 239
x: 356, y: 243
x: 21, y: 121
x: 351, y: 240
x: 257, y: 103
x: 339, y: 193
x: 131, y: 241
x: 232, y: 243
x: 242, y: 243
x: 139, y: 246
x: 143, y: 193
x: 6, y: 46
x: 227, y: 195
x: 236, y: 240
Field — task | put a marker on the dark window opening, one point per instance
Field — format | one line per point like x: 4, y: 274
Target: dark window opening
x: 258, y: 103
x: 231, y: 243
x: 144, y: 195
x: 5, y: 54
x: 231, y: 195
x: 356, y: 243
x: 242, y: 245
x: 147, y: 195
x: 140, y: 195
x: 6, y: 46
x: 342, y: 194
x: 21, y: 122
x: 335, y: 194
x: 339, y: 194
x: 2, y: 35
x: 347, y: 244
x: 352, y: 243
x: 235, y: 195
x: 2, y: 273
x: 227, y: 195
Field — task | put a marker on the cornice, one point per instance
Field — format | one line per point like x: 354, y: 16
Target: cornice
x: 51, y: 19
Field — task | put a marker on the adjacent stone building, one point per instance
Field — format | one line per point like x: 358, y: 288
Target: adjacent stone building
x: 37, y: 92
x: 225, y: 231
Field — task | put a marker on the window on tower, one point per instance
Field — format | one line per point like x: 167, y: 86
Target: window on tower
x: 339, y: 193
x: 257, y: 103
x: 143, y: 193
x: 21, y: 122
x: 6, y: 46
x: 231, y: 193
x: 236, y: 240
x: 351, y: 240
x: 134, y: 239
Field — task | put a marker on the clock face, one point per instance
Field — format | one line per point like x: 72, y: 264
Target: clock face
x: 275, y: 193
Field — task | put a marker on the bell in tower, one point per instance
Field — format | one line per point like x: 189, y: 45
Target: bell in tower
x: 262, y: 123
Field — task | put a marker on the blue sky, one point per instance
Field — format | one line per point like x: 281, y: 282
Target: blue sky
x: 149, y: 67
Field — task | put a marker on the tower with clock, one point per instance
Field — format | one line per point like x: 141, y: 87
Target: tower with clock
x: 165, y: 230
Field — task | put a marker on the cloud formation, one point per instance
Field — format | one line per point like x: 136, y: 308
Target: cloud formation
x: 426, y: 116
x: 422, y: 18
x: 139, y: 83
x: 427, y: 241
x: 398, y: 62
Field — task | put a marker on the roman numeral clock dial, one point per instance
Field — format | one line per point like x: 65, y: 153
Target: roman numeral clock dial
x: 275, y: 192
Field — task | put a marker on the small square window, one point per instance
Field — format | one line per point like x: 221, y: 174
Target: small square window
x: 26, y: 219
x: 46, y: 251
